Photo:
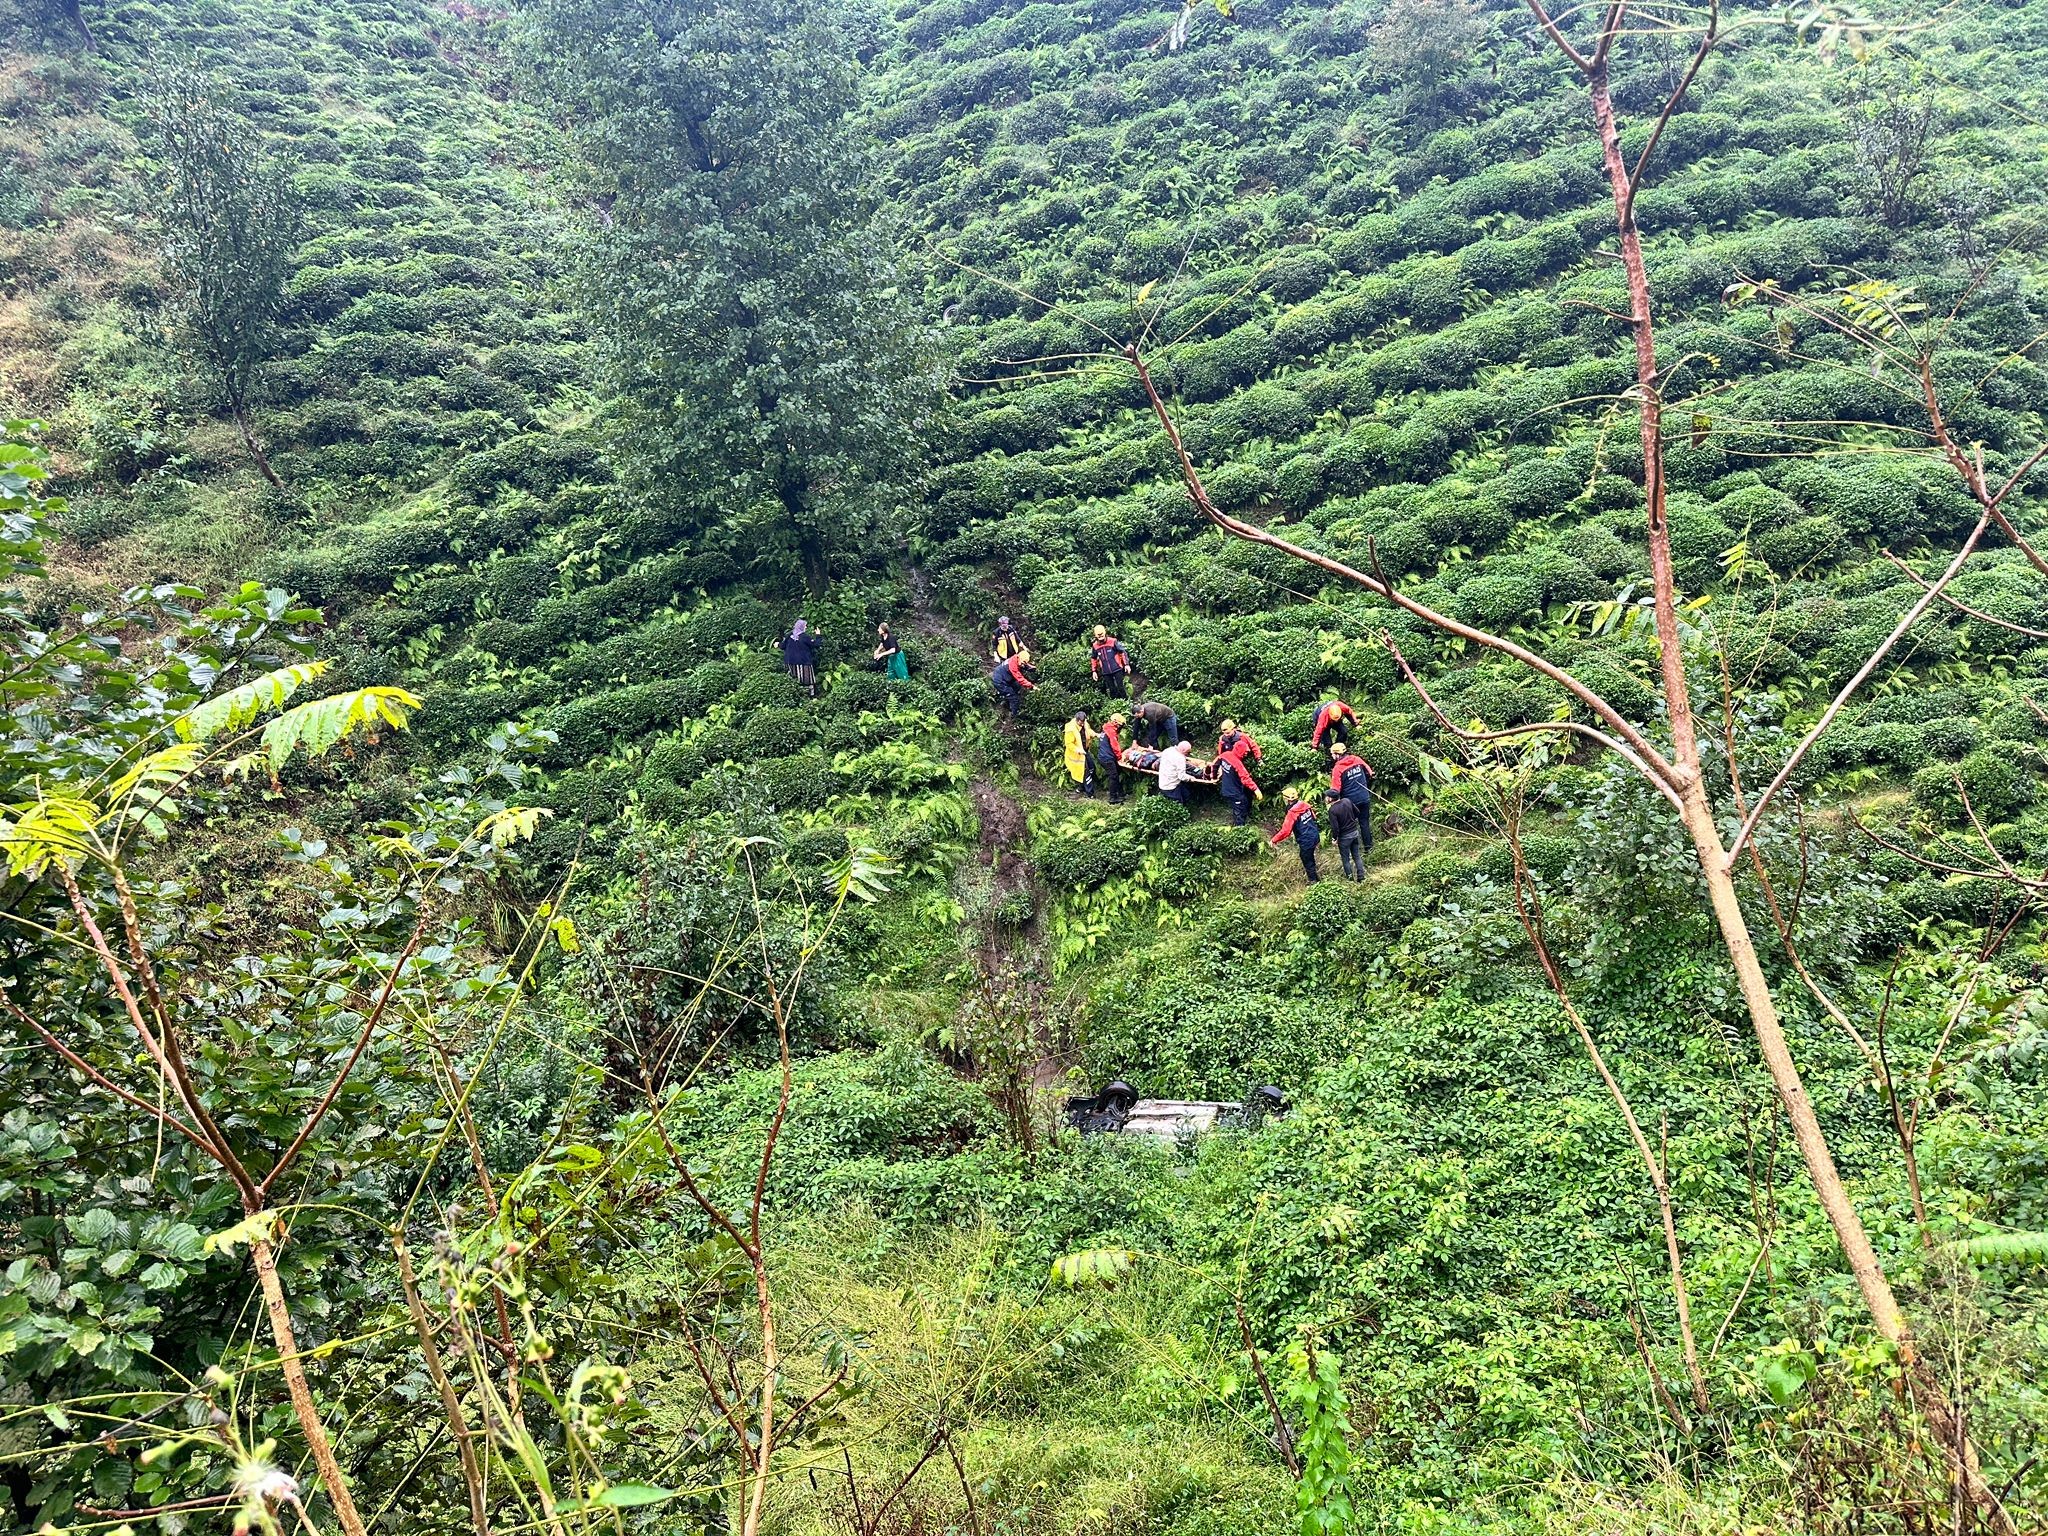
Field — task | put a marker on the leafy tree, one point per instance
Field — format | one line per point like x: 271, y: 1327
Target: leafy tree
x: 751, y: 307
x: 231, y: 226
x: 1425, y: 45
x: 1890, y: 123
x: 161, y: 1077
x: 62, y: 13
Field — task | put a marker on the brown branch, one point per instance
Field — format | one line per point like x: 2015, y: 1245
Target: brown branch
x: 1573, y: 727
x: 334, y: 1088
x: 1664, y: 1397
x: 1584, y: 64
x: 1957, y: 603
x: 1707, y: 40
x: 165, y: 1052
x: 1841, y: 699
x: 1251, y: 533
x: 92, y: 1073
x: 451, y: 1404
x: 1283, y: 1437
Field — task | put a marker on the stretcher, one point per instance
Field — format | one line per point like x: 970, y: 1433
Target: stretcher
x: 1200, y: 770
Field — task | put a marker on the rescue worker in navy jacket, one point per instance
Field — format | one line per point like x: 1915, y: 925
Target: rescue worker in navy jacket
x: 1300, y: 823
x: 1109, y: 750
x: 1012, y: 679
x: 1234, y: 782
x: 1110, y: 664
x: 1351, y: 777
x: 1334, y: 719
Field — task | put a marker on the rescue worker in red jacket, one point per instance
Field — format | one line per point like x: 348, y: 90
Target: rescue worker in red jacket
x: 1300, y: 824
x: 1236, y: 744
x: 1234, y: 781
x: 1109, y: 663
x: 1109, y: 751
x: 1351, y: 776
x: 1012, y: 680
x: 1334, y: 719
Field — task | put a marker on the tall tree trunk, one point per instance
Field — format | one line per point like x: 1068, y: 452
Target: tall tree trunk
x: 241, y: 413
x: 301, y: 1390
x: 75, y: 14
x: 1698, y: 814
x: 795, y: 496
x: 1871, y: 1282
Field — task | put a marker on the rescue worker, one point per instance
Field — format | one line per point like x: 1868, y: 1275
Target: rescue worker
x: 1336, y: 720
x: 1012, y: 679
x: 1109, y: 751
x: 1110, y: 664
x: 889, y: 655
x: 800, y: 656
x: 1345, y: 823
x: 1234, y: 742
x: 1173, y: 771
x: 1351, y: 777
x: 1300, y: 823
x: 1235, y: 784
x: 1008, y: 641
x: 1079, y: 759
x: 1155, y: 724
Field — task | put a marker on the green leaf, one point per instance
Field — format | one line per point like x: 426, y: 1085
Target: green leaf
x: 514, y: 824
x: 250, y: 1230
x: 2005, y: 1248
x: 317, y: 726
x: 238, y: 707
x: 630, y: 1496
x: 1093, y: 1266
x: 1785, y: 1376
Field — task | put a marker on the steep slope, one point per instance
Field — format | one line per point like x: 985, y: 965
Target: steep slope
x: 423, y: 327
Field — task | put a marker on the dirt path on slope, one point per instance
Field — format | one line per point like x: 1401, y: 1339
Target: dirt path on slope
x: 1013, y: 960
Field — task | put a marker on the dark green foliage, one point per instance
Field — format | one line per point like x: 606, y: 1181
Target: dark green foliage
x: 736, y: 262
x: 1075, y: 864
x: 230, y: 230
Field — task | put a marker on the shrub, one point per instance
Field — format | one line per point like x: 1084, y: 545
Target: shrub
x: 1080, y: 863
x: 1810, y: 541
x: 1952, y: 738
x: 1328, y: 910
x: 1156, y: 816
x: 1498, y: 602
x: 772, y: 732
x: 709, y: 684
x: 1391, y: 908
x: 1999, y: 786
x: 764, y: 685
x: 1212, y: 839
x: 799, y: 782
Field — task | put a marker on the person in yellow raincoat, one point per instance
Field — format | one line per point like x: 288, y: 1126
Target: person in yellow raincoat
x: 1080, y: 761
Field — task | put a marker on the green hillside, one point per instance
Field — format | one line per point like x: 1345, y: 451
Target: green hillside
x: 1369, y: 251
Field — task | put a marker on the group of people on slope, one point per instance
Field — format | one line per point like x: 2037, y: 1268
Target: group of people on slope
x: 1109, y: 664
x: 1152, y: 728
x: 1095, y: 756
x: 1348, y: 800
x: 802, y: 645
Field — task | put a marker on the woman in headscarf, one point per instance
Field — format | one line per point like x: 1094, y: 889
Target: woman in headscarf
x: 800, y: 656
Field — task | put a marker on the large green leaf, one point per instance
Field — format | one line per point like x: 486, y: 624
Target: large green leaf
x: 1093, y: 1266
x: 238, y: 707
x: 317, y: 726
x: 2005, y: 1248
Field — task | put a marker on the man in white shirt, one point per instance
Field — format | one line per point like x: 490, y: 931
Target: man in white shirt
x: 1173, y: 772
